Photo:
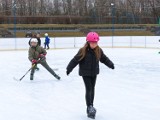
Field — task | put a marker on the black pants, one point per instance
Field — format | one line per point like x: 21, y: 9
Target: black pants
x: 89, y: 82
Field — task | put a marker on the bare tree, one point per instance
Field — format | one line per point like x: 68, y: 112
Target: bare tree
x: 6, y: 7
x: 133, y: 11
x: 57, y: 7
x: 21, y: 7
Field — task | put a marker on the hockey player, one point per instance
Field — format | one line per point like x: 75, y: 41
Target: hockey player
x: 37, y: 35
x: 47, y: 41
x: 39, y: 43
x: 37, y: 55
x: 88, y: 59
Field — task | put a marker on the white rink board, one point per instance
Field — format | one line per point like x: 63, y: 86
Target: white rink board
x: 76, y: 42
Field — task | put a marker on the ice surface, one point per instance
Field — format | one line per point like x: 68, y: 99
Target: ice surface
x: 130, y: 92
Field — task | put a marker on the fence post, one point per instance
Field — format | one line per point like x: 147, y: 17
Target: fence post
x: 131, y: 41
x: 55, y: 42
x: 74, y: 42
x: 145, y: 42
x: 113, y: 20
x: 15, y: 43
x: 112, y: 41
x: 15, y: 22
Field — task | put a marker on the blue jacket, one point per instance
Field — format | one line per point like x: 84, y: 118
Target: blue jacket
x: 47, y: 40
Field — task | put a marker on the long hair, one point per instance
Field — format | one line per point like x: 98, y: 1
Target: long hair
x: 83, y: 51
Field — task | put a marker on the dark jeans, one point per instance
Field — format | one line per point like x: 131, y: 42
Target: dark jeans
x: 46, y: 44
x: 89, y: 82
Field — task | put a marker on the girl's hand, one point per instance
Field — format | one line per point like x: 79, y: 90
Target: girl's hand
x: 67, y: 72
x: 112, y: 66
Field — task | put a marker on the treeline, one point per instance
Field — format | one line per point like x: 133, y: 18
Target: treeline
x: 80, y: 11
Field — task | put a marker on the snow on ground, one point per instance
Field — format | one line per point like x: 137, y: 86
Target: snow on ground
x: 130, y: 92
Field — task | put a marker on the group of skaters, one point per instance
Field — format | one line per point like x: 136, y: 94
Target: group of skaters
x: 88, y: 58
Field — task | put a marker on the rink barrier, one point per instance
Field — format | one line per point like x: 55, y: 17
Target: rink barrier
x: 79, y: 47
x: 7, y: 44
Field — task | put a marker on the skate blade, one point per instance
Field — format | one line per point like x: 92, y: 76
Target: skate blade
x: 92, y: 115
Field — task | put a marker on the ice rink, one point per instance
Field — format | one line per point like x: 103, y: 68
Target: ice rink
x: 130, y: 92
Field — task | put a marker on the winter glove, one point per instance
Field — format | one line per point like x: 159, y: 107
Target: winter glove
x: 112, y: 66
x: 67, y: 72
x: 41, y: 55
x: 34, y: 61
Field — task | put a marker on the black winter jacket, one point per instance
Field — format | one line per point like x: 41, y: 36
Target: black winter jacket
x: 89, y: 66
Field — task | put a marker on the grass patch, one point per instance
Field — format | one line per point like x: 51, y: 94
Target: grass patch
x: 56, y: 34
x: 73, y: 34
x: 79, y: 34
x: 127, y: 33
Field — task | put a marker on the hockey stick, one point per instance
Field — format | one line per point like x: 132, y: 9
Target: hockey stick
x: 25, y: 73
x: 55, y: 69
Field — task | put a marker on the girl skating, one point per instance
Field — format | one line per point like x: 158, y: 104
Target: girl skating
x: 88, y: 59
